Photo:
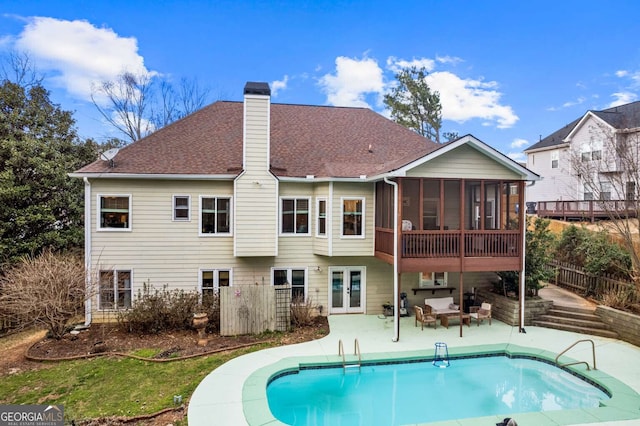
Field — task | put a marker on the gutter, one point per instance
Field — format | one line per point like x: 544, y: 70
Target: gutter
x: 396, y: 306
x: 87, y: 251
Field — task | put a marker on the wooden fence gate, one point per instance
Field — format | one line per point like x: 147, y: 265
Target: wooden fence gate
x: 254, y: 309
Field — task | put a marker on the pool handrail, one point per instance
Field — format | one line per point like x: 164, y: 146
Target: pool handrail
x: 356, y: 351
x: 593, y: 350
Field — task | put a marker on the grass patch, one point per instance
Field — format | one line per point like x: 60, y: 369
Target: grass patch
x: 146, y: 353
x: 109, y: 386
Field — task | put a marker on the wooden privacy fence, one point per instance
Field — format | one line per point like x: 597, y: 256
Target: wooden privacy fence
x: 254, y: 309
x: 575, y: 279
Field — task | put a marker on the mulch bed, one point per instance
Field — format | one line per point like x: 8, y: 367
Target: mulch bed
x: 106, y: 338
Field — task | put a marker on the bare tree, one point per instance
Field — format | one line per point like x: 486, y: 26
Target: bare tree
x: 129, y: 100
x: 48, y: 290
x: 138, y: 104
x: 607, y: 170
x: 175, y: 104
x: 18, y: 68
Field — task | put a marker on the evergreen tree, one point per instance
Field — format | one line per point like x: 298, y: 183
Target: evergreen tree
x: 40, y: 206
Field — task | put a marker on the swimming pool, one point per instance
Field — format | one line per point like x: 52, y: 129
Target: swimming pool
x: 417, y: 392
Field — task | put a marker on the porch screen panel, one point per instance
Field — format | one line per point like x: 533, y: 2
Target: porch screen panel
x: 452, y: 204
x: 431, y: 204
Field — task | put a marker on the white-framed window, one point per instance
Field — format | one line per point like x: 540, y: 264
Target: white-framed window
x: 433, y: 279
x: 295, y: 277
x: 212, y: 279
x: 114, y: 212
x: 555, y: 158
x: 353, y: 217
x: 605, y: 190
x: 321, y: 220
x: 181, y: 208
x: 294, y: 216
x: 215, y: 215
x: 587, y: 196
x: 115, y: 289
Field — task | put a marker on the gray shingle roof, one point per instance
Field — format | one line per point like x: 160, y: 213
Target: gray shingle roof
x: 619, y: 117
x: 305, y: 140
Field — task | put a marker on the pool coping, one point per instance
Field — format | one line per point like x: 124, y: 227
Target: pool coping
x: 256, y: 408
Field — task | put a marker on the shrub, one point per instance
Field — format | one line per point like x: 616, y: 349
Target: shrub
x: 47, y: 290
x: 156, y: 310
x: 620, y: 299
x: 211, y: 305
x: 302, y: 312
x: 594, y: 252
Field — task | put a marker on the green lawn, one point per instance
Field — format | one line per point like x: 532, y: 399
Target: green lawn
x: 111, y: 386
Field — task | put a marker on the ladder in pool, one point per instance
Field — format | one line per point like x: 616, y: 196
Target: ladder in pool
x: 356, y: 351
x: 593, y: 352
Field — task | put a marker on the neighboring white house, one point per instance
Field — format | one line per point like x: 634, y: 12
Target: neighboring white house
x: 330, y: 200
x: 581, y: 161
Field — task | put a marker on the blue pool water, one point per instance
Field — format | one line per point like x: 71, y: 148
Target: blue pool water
x: 418, y: 392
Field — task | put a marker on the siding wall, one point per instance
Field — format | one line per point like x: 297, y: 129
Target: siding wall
x: 463, y: 162
x: 256, y: 190
x: 160, y: 251
x: 556, y: 184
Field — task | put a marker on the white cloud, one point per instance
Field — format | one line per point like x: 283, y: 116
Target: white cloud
x: 396, y: 65
x: 517, y: 156
x: 622, y: 98
x: 578, y: 101
x: 352, y: 81
x: 466, y: 99
x: 461, y: 99
x: 519, y: 143
x: 78, y: 53
x: 278, y: 85
x: 622, y: 73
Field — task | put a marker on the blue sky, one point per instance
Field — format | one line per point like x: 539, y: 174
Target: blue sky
x: 508, y: 72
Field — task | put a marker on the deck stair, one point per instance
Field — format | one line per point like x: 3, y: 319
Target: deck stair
x: 576, y: 319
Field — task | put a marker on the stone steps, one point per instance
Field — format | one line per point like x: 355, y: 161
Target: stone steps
x: 577, y: 320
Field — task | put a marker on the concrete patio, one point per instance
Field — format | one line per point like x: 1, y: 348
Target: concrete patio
x: 219, y: 397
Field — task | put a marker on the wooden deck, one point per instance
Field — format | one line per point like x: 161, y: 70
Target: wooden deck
x: 452, y: 250
x: 586, y: 210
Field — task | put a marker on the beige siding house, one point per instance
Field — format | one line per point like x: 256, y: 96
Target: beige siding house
x: 348, y: 207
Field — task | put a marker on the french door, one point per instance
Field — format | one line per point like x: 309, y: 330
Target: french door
x: 347, y: 289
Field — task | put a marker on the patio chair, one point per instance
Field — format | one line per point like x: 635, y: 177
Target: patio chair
x: 481, y: 313
x: 423, y: 319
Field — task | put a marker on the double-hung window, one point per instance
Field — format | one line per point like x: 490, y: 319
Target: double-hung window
x: 555, y: 159
x: 212, y: 279
x: 296, y: 278
x: 114, y: 212
x: 321, y: 222
x: 294, y: 216
x: 215, y: 215
x: 353, y: 217
x: 115, y: 290
x: 181, y: 208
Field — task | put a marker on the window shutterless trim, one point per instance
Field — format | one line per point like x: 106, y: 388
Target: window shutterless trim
x: 360, y: 214
x: 175, y: 208
x: 215, y: 212
x: 99, y: 212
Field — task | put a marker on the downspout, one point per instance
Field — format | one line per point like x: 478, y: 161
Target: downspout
x: 524, y: 248
x: 87, y: 251
x: 396, y: 310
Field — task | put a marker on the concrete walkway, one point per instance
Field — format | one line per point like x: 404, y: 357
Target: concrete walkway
x: 219, y: 399
x: 564, y: 297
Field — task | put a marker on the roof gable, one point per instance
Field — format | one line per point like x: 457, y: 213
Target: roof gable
x: 619, y: 117
x: 470, y: 141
